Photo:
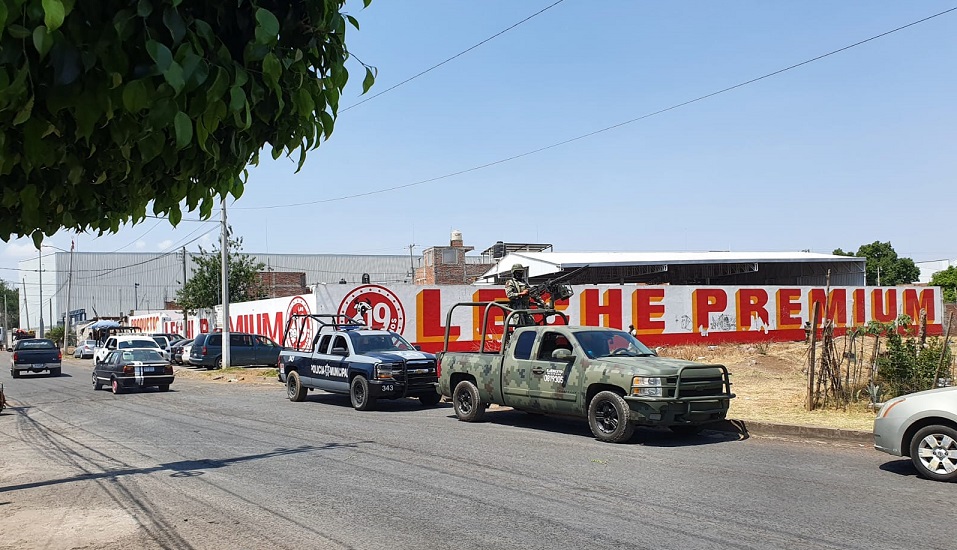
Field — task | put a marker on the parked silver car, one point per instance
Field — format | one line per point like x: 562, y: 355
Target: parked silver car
x: 922, y: 426
x: 84, y: 349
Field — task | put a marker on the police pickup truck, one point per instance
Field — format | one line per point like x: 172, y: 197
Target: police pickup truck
x: 602, y: 374
x: 347, y: 357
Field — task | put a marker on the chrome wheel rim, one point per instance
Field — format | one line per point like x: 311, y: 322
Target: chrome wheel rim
x: 938, y: 453
x: 465, y: 402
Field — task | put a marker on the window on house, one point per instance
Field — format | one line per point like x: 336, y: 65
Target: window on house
x: 450, y: 256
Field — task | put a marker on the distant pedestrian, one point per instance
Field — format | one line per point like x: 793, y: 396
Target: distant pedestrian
x: 632, y: 331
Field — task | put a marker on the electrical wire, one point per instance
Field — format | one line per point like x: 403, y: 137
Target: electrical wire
x: 461, y: 53
x: 602, y: 130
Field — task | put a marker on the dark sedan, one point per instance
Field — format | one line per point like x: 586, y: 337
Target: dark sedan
x: 133, y: 368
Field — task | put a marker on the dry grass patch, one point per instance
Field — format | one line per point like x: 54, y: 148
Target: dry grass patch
x: 770, y: 383
x: 232, y: 374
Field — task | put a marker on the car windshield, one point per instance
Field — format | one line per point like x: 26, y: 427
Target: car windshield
x: 604, y: 343
x: 365, y: 343
x: 36, y: 344
x: 145, y: 355
x: 126, y: 344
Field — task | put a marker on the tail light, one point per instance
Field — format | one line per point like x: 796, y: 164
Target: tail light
x: 59, y: 355
x: 204, y: 350
x: 168, y: 369
x: 128, y: 369
x: 14, y: 357
x: 438, y: 368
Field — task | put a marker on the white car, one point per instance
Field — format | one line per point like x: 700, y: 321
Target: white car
x: 922, y: 426
x: 127, y: 341
x: 186, y: 350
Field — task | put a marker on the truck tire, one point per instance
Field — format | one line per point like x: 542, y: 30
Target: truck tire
x: 97, y: 385
x: 55, y: 372
x: 467, y: 402
x: 932, y: 452
x: 163, y: 387
x: 359, y: 394
x: 609, y: 418
x: 14, y: 373
x: 430, y: 400
x: 294, y: 389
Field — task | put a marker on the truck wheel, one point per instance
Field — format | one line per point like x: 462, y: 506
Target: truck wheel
x: 467, y: 402
x: 163, y: 387
x: 116, y: 387
x: 97, y: 385
x: 934, y: 453
x: 55, y: 372
x: 294, y: 389
x: 430, y: 400
x: 14, y: 373
x: 359, y: 394
x: 610, y: 418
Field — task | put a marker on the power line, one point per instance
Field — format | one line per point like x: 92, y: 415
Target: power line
x: 461, y: 53
x: 602, y: 130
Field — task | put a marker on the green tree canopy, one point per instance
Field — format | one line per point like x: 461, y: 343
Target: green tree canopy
x: 884, y: 264
x: 947, y: 280
x: 110, y: 106
x: 13, y: 304
x: 204, y: 289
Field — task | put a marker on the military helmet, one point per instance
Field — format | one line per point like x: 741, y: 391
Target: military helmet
x: 517, y: 267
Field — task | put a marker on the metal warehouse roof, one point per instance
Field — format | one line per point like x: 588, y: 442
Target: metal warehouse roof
x: 684, y: 267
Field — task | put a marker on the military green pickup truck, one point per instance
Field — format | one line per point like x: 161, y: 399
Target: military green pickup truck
x: 602, y: 374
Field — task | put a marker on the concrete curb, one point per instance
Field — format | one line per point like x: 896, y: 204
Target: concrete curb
x: 751, y: 427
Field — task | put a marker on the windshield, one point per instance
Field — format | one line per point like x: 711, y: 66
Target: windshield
x: 604, y: 343
x: 365, y: 343
x: 125, y: 344
x: 145, y: 355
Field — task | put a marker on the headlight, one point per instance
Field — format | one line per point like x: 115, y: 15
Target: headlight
x: 646, y: 386
x: 383, y: 371
x: 890, y: 405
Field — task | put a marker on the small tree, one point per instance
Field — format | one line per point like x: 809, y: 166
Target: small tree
x: 947, y: 280
x: 204, y: 289
x: 13, y: 310
x: 883, y: 264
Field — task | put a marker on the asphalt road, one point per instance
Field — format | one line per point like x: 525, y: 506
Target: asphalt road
x: 225, y: 466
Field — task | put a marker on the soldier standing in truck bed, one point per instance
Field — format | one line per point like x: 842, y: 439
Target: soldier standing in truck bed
x: 516, y: 290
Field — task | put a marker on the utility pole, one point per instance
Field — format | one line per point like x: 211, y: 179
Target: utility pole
x: 6, y: 327
x: 69, y: 291
x: 136, y: 298
x: 185, y: 318
x: 26, y: 307
x: 411, y: 264
x: 40, y: 303
x: 225, y: 270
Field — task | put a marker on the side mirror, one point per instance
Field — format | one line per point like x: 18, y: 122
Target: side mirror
x: 340, y: 351
x: 563, y: 355
x: 417, y: 347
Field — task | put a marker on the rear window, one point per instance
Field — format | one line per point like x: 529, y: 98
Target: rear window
x: 142, y: 355
x: 126, y: 344
x: 36, y: 344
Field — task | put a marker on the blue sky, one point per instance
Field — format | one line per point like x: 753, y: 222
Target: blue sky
x: 850, y: 149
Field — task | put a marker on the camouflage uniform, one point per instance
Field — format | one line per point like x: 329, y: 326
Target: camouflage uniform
x: 513, y: 291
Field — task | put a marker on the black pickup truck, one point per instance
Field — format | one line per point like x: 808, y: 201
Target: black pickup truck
x: 35, y: 355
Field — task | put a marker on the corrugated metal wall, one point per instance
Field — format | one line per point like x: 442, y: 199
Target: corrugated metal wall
x: 106, y: 284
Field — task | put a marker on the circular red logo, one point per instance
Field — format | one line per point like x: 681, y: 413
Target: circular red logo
x: 300, y: 330
x: 376, y: 306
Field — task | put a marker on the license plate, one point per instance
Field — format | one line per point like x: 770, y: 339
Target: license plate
x: 39, y: 366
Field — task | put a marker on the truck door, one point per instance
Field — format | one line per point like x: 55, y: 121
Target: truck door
x: 554, y: 383
x: 517, y: 370
x: 308, y: 365
x: 330, y: 370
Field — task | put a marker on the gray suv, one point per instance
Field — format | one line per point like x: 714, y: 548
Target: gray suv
x: 244, y: 350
